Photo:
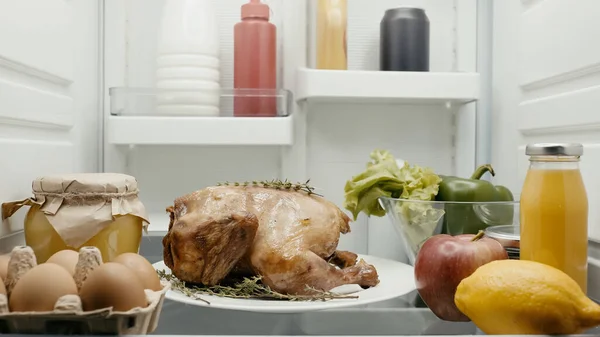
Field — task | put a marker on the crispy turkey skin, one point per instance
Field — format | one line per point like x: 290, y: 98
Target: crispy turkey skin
x: 287, y: 237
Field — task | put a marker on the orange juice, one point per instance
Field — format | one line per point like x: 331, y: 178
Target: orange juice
x: 554, y: 211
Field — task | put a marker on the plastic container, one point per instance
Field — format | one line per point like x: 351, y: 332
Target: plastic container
x: 416, y: 221
x: 68, y: 317
x: 130, y: 101
x: 255, y: 60
x: 188, y: 59
x: 554, y: 210
x: 76, y: 210
x: 404, y: 40
x: 332, y: 22
x: 509, y: 238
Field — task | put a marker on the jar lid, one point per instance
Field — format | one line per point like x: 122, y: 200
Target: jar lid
x: 85, y: 185
x: 554, y: 149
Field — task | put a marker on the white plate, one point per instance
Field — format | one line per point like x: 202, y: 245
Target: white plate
x: 396, y: 279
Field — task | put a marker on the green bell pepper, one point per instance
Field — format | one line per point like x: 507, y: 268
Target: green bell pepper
x: 471, y: 218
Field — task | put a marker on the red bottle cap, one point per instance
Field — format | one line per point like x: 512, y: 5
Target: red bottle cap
x: 255, y: 9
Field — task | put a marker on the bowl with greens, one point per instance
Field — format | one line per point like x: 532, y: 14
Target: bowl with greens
x: 415, y: 221
x: 420, y: 203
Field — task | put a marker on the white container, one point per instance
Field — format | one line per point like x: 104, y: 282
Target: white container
x: 188, y: 64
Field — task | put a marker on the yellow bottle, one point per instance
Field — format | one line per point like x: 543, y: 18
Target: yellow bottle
x: 331, y: 35
x: 554, y: 210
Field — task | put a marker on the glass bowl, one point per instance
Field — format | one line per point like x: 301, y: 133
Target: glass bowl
x: 415, y: 221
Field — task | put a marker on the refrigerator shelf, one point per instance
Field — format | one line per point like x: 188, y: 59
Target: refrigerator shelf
x: 136, y: 120
x: 386, y: 87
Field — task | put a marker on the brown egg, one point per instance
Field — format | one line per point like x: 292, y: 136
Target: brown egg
x: 4, y: 259
x: 142, y: 269
x: 66, y: 259
x: 41, y: 287
x: 2, y: 287
x: 112, y: 285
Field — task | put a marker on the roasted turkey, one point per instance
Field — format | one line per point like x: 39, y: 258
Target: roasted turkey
x: 287, y: 237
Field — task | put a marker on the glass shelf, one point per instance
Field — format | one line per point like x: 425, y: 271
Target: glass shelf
x: 148, y: 116
x: 131, y: 101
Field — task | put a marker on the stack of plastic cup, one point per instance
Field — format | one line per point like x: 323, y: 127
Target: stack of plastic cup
x: 188, y: 64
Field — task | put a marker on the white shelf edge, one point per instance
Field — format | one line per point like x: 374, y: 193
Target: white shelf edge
x: 159, y: 130
x: 386, y: 86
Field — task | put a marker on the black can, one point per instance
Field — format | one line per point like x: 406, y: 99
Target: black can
x: 404, y: 41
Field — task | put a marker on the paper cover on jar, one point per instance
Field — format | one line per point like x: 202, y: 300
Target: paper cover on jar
x: 79, y: 206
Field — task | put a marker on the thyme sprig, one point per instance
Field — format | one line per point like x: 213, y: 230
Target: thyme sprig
x: 247, y: 288
x: 277, y: 184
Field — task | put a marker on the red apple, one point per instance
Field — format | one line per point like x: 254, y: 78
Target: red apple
x: 444, y: 261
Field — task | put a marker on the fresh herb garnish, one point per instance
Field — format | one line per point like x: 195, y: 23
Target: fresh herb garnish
x: 276, y: 184
x: 246, y: 288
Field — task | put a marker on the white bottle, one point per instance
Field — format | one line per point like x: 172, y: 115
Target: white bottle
x: 187, y: 66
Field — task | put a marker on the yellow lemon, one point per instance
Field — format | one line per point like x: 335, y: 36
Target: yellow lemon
x: 512, y: 297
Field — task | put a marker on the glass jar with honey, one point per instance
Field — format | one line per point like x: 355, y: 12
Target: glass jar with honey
x: 76, y: 210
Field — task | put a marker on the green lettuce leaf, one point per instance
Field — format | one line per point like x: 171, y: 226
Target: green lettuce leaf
x: 383, y: 178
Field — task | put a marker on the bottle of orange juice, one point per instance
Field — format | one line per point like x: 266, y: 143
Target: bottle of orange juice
x: 554, y: 210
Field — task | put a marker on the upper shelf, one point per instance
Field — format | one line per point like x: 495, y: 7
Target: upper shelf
x: 148, y: 116
x: 387, y: 87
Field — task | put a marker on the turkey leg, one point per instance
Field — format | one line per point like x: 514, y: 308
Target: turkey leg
x: 343, y: 259
x: 306, y: 271
x: 206, y: 250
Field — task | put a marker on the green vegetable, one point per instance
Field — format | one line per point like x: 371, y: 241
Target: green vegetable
x: 383, y: 178
x: 470, y: 219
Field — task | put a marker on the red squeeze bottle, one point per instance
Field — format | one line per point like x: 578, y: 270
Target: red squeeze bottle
x: 255, y: 61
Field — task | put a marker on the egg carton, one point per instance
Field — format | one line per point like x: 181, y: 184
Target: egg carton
x: 68, y: 317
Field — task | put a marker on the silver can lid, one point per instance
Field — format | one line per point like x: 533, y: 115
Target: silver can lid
x: 554, y: 149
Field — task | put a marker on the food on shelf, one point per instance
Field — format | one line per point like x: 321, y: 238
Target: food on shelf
x: 142, y: 269
x: 515, y: 297
x: 40, y: 288
x: 65, y: 258
x: 555, y: 209
x: 384, y: 178
x: 101, y: 295
x: 112, y: 285
x: 79, y: 210
x: 463, y: 219
x: 444, y: 261
x: 281, y: 231
x: 4, y: 266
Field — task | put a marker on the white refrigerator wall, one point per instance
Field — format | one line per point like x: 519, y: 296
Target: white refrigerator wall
x: 547, y: 87
x: 338, y: 137
x: 49, y: 112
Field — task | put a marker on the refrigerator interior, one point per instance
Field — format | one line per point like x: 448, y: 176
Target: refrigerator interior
x: 332, y: 133
x: 500, y: 82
